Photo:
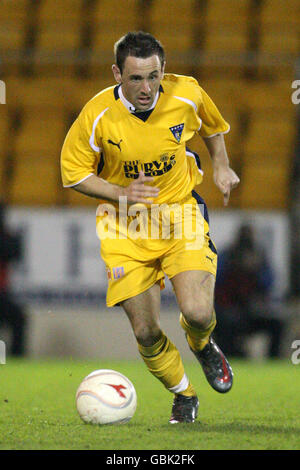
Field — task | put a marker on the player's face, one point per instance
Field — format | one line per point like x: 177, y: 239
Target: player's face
x: 140, y: 80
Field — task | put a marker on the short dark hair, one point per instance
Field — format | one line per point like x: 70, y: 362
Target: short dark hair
x: 137, y: 44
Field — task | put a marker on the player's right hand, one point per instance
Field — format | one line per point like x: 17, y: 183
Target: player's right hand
x: 138, y: 191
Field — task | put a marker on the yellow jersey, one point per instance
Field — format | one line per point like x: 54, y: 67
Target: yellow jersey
x: 110, y: 140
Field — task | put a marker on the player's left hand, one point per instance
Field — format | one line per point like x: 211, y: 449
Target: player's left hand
x: 226, y: 180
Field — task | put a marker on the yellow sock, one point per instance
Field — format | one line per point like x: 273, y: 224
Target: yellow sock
x: 196, y: 338
x: 164, y: 362
x: 189, y: 392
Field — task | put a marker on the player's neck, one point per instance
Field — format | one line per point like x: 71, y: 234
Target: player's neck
x: 131, y: 108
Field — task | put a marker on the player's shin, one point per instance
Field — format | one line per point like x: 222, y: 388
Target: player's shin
x: 164, y: 362
x: 197, y: 338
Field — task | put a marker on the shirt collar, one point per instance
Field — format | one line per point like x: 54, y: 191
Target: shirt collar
x: 130, y: 106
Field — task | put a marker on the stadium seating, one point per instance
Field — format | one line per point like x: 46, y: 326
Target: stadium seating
x: 12, y: 35
x: 42, y: 131
x: 36, y: 182
x: 223, y: 39
x: 176, y: 28
x: 236, y: 12
x: 280, y: 13
x: 36, y: 151
x: 273, y: 139
x: 270, y: 95
x: 81, y: 91
x: 68, y: 92
x: 67, y: 10
x: 276, y: 39
x: 280, y: 28
x: 208, y: 39
x: 107, y: 32
x: 42, y: 91
x: 264, y: 187
x: 59, y: 26
x: 58, y: 37
x: 221, y: 36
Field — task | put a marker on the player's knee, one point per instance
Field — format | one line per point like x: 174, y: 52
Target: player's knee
x: 198, y: 315
x: 148, y: 335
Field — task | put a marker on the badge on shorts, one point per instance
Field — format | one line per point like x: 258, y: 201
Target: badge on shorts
x: 177, y: 131
x: 118, y: 272
x: 108, y: 273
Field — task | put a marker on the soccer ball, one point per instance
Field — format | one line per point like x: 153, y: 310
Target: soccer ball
x: 106, y: 397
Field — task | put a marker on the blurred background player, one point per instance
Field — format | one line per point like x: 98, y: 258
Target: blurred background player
x: 244, y: 298
x: 130, y: 127
x: 12, y: 315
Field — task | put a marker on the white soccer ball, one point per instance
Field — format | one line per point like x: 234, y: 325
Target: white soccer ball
x: 106, y: 397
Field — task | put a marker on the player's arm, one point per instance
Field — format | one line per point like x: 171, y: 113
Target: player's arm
x: 137, y: 191
x: 79, y: 163
x: 224, y: 177
x: 213, y: 128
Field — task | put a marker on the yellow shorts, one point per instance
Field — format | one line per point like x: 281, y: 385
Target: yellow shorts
x: 162, y: 241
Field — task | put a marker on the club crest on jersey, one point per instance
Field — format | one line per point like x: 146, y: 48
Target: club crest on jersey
x: 177, y: 131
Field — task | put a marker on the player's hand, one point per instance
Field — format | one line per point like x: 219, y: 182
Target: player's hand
x: 226, y: 180
x: 138, y: 191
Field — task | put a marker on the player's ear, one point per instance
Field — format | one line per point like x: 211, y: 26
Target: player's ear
x: 117, y: 73
x: 163, y: 68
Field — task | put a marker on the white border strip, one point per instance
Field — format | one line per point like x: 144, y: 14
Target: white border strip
x: 91, y: 140
x: 217, y: 133
x: 75, y: 184
x: 186, y: 100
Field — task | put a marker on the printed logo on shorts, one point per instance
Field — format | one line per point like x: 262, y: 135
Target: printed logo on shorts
x: 118, y: 272
x: 177, y: 131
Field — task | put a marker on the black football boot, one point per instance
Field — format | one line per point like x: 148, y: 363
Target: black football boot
x: 215, y: 366
x: 184, y: 409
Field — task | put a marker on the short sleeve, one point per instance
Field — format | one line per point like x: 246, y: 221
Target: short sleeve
x: 79, y: 159
x: 212, y: 121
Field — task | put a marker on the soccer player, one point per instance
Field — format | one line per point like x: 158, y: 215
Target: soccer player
x: 129, y: 143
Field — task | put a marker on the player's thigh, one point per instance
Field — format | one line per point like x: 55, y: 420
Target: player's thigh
x: 130, y: 270
x: 194, y: 291
x: 143, y: 312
